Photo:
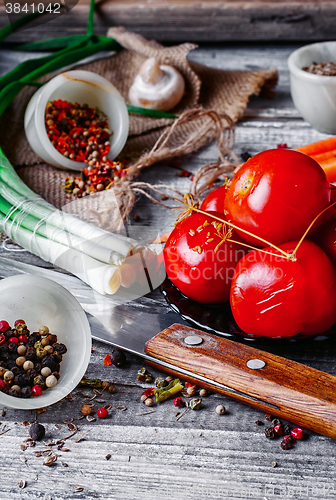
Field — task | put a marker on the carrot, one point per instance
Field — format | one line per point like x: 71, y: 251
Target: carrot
x: 329, y: 166
x: 319, y: 147
x: 324, y: 156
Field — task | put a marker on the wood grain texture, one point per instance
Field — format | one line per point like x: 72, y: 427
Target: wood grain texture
x: 198, y: 21
x: 298, y: 393
x: 203, y: 455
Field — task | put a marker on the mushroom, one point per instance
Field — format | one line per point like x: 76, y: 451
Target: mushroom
x: 157, y: 87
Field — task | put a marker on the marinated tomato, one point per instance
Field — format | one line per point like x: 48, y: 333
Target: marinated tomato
x: 198, y: 259
x: 214, y: 201
x: 272, y: 296
x: 276, y: 195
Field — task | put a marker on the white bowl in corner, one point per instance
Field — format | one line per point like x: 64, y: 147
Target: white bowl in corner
x: 75, y: 86
x: 40, y: 301
x: 314, y: 96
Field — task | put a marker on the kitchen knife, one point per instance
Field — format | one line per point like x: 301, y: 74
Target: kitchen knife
x: 148, y: 328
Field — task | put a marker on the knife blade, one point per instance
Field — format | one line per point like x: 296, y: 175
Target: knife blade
x: 148, y: 328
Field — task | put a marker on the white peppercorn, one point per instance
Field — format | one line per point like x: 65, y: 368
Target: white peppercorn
x: 51, y: 381
x: 20, y: 361
x: 21, y: 350
x: 149, y: 402
x: 220, y: 410
x: 45, y: 372
x: 28, y: 365
x: 43, y: 330
x: 8, y: 375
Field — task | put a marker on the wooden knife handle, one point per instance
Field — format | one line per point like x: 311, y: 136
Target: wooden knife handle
x: 283, y: 388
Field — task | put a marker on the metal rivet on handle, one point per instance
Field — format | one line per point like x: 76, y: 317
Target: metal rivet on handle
x: 255, y: 364
x: 193, y: 340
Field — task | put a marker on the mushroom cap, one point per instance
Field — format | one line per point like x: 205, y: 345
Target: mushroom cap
x: 153, y: 89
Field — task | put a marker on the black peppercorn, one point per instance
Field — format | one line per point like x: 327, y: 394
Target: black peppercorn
x: 276, y: 421
x: 32, y: 339
x: 259, y: 422
x: 30, y: 354
x: 285, y: 445
x: 59, y: 348
x: 15, y: 370
x: 118, y: 357
x: 37, y: 432
x: 268, y: 417
x: 269, y: 433
x: 12, y: 347
x: 48, y: 361
x: 287, y: 429
x: 26, y: 391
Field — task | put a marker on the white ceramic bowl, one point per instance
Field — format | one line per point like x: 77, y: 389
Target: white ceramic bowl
x: 40, y: 301
x: 314, y: 96
x: 75, y: 86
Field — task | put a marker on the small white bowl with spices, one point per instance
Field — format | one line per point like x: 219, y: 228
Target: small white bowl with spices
x: 40, y: 301
x: 81, y: 87
x: 314, y: 95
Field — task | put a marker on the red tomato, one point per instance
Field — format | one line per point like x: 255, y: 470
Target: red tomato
x: 275, y: 297
x: 197, y: 262
x: 214, y: 201
x: 276, y: 195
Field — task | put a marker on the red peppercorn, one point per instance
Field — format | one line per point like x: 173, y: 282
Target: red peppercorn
x: 37, y: 390
x: 23, y: 338
x: 4, y: 325
x: 2, y: 338
x: 278, y: 429
x: 148, y: 392
x: 19, y: 322
x: 179, y: 402
x: 2, y: 385
x: 102, y: 413
x: 13, y: 340
x: 297, y: 433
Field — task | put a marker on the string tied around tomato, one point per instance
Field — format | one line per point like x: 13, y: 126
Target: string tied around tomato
x: 226, y: 229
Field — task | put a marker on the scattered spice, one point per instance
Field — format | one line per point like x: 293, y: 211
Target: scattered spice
x: 22, y: 484
x: 118, y: 357
x: 268, y: 417
x: 274, y: 464
x: 220, y: 410
x: 121, y: 408
x: 164, y: 393
x: 269, y: 432
x: 297, y: 433
x: 149, y: 402
x: 160, y: 382
x: 94, y: 382
x: 195, y: 404
x: 102, y: 413
x: 285, y: 445
x: 107, y: 361
x: 191, y: 390
x: 86, y: 410
x: 49, y: 461
x: 259, y: 422
x: 37, y: 432
x: 203, y: 393
x: 278, y: 429
x: 108, y: 456
x: 179, y: 403
x: 144, y: 376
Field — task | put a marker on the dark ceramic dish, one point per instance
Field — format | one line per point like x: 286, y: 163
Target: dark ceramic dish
x: 219, y: 319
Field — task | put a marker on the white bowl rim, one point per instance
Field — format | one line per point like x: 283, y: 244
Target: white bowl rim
x: 38, y: 402
x: 299, y: 72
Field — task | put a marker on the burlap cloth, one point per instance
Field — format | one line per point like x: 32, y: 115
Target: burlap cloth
x: 226, y: 92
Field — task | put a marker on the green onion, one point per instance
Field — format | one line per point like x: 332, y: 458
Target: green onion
x: 150, y: 112
x: 56, y: 43
x: 15, y: 25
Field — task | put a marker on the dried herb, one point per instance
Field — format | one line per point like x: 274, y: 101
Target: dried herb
x: 93, y: 382
x: 195, y: 404
x: 165, y: 392
x: 144, y: 376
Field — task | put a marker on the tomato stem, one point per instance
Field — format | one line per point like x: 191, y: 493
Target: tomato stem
x: 309, y: 228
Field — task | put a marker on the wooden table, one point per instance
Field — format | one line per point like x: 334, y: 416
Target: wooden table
x: 202, y: 455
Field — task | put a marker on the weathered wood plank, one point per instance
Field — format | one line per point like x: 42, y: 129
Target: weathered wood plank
x: 202, y: 455
x: 188, y: 20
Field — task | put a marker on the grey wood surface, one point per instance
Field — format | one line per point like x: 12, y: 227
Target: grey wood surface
x: 202, y: 455
x: 190, y: 20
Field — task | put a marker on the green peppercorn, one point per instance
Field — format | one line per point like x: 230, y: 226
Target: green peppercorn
x: 195, y: 404
x: 41, y: 352
x: 40, y: 380
x: 37, y: 345
x: 144, y: 376
x: 160, y: 382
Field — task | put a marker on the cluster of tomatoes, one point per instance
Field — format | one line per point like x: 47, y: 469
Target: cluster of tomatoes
x: 246, y: 246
